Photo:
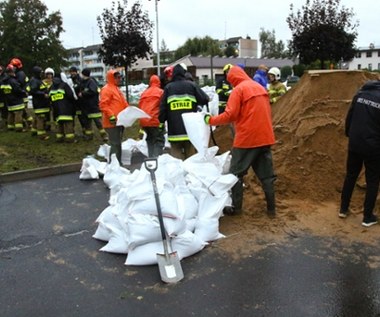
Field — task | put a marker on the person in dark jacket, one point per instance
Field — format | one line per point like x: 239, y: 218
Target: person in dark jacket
x: 14, y: 99
x: 62, y: 101
x: 180, y: 96
x: 3, y: 107
x: 76, y: 81
x: 38, y: 89
x: 362, y: 127
x: 223, y: 88
x: 89, y: 101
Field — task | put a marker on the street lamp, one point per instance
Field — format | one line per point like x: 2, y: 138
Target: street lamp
x: 158, y: 41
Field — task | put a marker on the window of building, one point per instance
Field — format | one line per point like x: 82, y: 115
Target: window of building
x: 369, y: 66
x: 359, y: 66
x: 358, y: 54
x: 369, y: 54
x: 378, y: 66
x: 378, y: 53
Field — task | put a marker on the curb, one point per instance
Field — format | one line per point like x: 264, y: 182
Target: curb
x: 39, y: 172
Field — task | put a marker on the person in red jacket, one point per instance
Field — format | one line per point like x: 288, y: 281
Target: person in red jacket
x: 112, y: 102
x: 150, y: 103
x: 248, y: 107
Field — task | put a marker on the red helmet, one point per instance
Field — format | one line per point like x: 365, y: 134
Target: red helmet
x: 10, y: 69
x: 169, y: 71
x: 16, y: 63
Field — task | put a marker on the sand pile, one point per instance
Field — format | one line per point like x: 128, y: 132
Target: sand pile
x: 309, y: 158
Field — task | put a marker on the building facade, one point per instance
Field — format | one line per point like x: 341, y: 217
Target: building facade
x: 366, y: 58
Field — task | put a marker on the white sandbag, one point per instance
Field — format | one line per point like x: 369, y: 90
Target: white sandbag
x: 143, y: 229
x: 102, y: 233
x: 186, y: 202
x: 114, y: 172
x: 142, y: 189
x: 223, y: 184
x: 224, y: 161
x: 197, y: 131
x: 168, y: 203
x: 145, y: 254
x: 187, y: 244
x: 129, y: 115
x: 190, y: 224
x: 118, y: 243
x: 88, y: 172
x: 212, y: 206
x: 207, y: 229
x: 104, y: 151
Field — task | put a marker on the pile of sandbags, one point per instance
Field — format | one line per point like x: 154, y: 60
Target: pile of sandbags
x: 192, y: 196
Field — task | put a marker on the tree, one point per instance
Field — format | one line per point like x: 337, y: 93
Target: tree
x: 199, y: 46
x: 270, y: 48
x: 126, y: 35
x: 230, y: 51
x: 165, y: 55
x: 322, y: 32
x: 27, y: 32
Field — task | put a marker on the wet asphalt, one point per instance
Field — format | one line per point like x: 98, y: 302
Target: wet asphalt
x: 51, y: 266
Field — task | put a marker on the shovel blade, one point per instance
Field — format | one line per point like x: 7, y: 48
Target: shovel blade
x: 170, y: 267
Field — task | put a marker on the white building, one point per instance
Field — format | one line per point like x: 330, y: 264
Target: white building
x: 366, y: 58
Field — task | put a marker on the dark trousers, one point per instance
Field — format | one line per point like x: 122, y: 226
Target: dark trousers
x: 354, y: 165
x: 182, y: 149
x: 260, y: 159
x: 115, y: 136
x: 155, y: 140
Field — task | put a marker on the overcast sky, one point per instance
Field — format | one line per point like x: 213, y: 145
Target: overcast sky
x: 179, y: 20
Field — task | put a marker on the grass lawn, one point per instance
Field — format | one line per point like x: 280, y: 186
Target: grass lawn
x: 21, y: 151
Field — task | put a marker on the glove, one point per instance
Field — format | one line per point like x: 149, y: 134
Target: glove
x: 113, y: 120
x: 162, y: 126
x: 207, y: 118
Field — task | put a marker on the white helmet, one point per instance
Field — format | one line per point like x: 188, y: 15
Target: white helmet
x: 275, y: 72
x: 49, y: 71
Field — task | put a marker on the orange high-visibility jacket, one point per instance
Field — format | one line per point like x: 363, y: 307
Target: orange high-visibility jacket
x: 150, y: 102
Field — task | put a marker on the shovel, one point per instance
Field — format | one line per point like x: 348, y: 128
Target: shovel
x: 168, y: 263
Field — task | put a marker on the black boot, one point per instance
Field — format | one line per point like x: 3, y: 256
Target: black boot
x: 271, y: 203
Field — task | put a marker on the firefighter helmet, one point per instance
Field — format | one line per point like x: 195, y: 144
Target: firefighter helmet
x: 275, y: 72
x: 16, y: 62
x: 227, y: 67
x: 169, y: 71
x: 49, y: 71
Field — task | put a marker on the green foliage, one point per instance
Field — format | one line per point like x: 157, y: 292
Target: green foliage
x: 322, y: 31
x: 286, y: 71
x: 28, y: 32
x: 199, y: 46
x: 230, y: 51
x: 299, y: 69
x: 270, y: 48
x: 126, y: 35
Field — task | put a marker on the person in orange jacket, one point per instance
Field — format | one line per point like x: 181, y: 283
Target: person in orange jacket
x: 112, y: 102
x: 150, y: 103
x: 248, y: 107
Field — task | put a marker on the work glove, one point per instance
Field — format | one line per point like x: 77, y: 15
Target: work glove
x: 113, y: 120
x: 207, y: 118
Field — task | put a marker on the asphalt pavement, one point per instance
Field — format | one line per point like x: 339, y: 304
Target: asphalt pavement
x: 51, y: 266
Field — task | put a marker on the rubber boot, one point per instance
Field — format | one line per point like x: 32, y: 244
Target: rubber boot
x: 271, y: 203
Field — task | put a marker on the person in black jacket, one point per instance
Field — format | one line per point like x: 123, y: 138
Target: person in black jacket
x: 362, y: 127
x: 38, y: 89
x: 180, y: 96
x: 89, y: 101
x: 62, y: 101
x: 14, y: 99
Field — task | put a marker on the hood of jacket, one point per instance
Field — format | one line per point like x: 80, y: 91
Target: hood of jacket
x: 178, y: 72
x: 111, y: 77
x: 154, y: 81
x: 236, y: 75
